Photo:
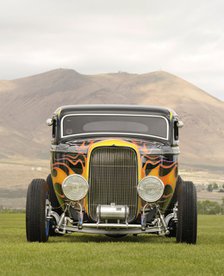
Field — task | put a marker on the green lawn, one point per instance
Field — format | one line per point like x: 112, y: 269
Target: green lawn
x: 78, y: 254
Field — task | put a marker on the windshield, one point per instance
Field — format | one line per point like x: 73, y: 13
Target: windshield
x: 146, y: 125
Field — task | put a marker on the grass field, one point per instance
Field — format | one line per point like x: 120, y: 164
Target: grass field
x: 100, y: 255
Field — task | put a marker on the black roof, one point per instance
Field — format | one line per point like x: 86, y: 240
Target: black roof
x: 69, y: 109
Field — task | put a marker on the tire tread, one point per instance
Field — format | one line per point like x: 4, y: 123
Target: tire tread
x: 187, y: 213
x: 35, y: 211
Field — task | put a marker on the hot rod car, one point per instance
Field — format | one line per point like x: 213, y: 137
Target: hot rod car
x: 114, y: 171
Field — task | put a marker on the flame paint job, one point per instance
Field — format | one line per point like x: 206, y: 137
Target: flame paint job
x: 164, y: 166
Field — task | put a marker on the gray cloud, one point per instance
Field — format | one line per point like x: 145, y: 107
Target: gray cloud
x: 182, y: 37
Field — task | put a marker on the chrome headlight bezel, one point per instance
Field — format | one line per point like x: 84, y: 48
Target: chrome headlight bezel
x: 153, y: 184
x: 71, y: 182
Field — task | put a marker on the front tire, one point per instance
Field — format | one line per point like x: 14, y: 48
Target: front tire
x: 187, y: 213
x: 37, y: 224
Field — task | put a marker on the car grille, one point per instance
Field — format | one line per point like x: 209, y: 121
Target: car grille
x: 113, y: 178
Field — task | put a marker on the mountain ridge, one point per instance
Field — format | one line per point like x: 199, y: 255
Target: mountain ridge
x: 26, y: 103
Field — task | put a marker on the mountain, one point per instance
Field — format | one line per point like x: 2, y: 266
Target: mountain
x: 26, y: 103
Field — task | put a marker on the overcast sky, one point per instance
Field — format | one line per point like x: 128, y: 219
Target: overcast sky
x: 185, y: 38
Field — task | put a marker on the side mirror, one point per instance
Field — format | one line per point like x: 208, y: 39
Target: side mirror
x: 180, y: 124
x: 49, y: 122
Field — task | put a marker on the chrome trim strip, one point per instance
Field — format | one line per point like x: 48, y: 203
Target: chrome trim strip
x: 117, y: 133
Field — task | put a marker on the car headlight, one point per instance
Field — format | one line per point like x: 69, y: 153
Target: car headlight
x: 75, y: 187
x: 150, y: 188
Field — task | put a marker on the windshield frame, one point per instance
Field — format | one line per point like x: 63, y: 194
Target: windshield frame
x: 83, y: 134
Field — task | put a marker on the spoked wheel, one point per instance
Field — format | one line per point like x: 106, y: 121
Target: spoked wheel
x: 187, y: 213
x: 37, y: 206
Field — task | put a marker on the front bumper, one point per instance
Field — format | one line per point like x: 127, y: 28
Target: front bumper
x: 65, y: 224
x: 111, y: 229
